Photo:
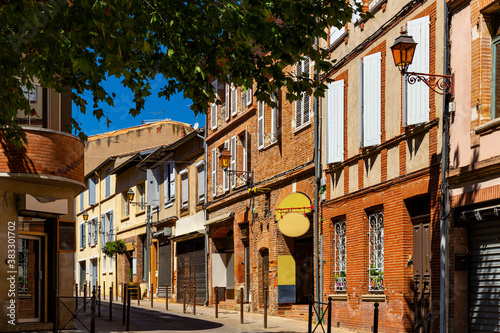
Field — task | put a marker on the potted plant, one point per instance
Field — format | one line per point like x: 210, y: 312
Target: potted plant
x: 113, y: 248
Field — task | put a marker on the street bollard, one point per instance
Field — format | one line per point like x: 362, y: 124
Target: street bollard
x: 241, y: 305
x: 111, y: 302
x: 104, y: 290
x: 184, y: 299
x: 265, y: 307
x: 429, y: 318
x: 85, y: 297
x: 115, y: 293
x: 309, y: 320
x: 76, y: 297
x: 55, y: 326
x: 375, y: 318
x: 128, y: 310
x: 329, y: 328
x: 194, y: 299
x: 92, y: 311
x: 166, y: 297
x: 99, y: 301
x: 151, y: 295
x: 216, y: 302
x: 139, y: 296
x: 124, y: 300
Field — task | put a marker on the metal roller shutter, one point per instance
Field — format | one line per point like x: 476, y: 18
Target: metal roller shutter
x: 484, y: 277
x: 165, y: 273
x: 191, y: 268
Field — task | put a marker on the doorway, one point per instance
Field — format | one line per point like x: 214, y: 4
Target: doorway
x: 83, y: 274
x: 30, y: 276
x: 93, y: 272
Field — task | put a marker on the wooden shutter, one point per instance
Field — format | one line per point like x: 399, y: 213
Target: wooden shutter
x: 172, y: 180
x: 249, y: 96
x: 234, y: 99
x: 417, y: 102
x: 214, y: 172
x: 103, y: 230
x: 152, y: 187
x: 233, y: 161
x: 111, y: 236
x: 335, y: 33
x: 82, y: 202
x: 228, y: 103
x: 225, y: 174
x: 201, y: 183
x: 299, y: 102
x: 306, y: 103
x: 274, y: 117
x: 245, y: 150
x: 82, y: 235
x: 90, y: 232
x: 185, y: 189
x: 335, y: 122
x: 372, y: 91
x: 213, y: 107
x: 261, y: 124
x: 166, y: 182
x: 108, y: 183
x: 91, y: 191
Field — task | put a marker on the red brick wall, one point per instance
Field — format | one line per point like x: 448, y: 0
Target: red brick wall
x: 47, y: 153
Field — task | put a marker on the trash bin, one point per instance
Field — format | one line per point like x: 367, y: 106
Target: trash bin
x: 134, y: 290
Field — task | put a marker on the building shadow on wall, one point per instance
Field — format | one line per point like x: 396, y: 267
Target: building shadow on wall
x: 17, y: 159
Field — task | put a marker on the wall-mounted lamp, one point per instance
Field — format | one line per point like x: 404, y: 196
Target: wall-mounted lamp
x: 403, y: 51
x: 85, y: 216
x: 225, y: 160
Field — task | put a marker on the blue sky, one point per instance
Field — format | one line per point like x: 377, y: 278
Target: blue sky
x: 177, y: 108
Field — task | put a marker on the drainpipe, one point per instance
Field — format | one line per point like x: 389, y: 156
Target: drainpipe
x: 207, y: 291
x: 98, y: 227
x: 316, y: 189
x: 444, y: 223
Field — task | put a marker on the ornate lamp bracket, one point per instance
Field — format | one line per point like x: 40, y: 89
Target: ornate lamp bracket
x: 441, y: 84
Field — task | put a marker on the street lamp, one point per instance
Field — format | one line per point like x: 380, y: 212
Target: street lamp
x: 225, y: 160
x: 403, y: 51
x: 85, y: 216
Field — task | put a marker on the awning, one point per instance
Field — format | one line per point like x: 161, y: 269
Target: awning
x: 220, y: 218
x: 188, y: 236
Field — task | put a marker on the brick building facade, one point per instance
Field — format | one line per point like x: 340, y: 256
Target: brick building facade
x: 381, y: 160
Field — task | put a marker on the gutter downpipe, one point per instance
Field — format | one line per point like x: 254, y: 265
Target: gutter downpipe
x: 444, y: 223
x: 316, y: 190
x: 207, y: 291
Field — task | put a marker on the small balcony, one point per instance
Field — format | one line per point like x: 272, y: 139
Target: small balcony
x: 50, y: 157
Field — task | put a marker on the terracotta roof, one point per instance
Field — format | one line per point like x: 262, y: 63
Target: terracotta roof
x: 134, y: 128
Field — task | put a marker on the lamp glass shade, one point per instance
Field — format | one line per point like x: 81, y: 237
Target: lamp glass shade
x: 403, y: 51
x: 225, y: 158
x: 130, y: 195
x: 85, y: 216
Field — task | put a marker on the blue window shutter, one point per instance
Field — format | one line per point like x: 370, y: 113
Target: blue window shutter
x: 418, y: 94
x: 90, y: 233
x: 82, y: 235
x: 372, y: 106
x: 166, y: 182
x: 335, y: 122
x: 111, y: 227
x: 82, y: 201
x: 91, y: 191
x: 103, y: 230
x: 108, y: 183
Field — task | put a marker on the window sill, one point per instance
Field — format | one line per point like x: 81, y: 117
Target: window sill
x: 272, y: 143
x: 373, y: 298
x: 169, y: 204
x: 124, y: 219
x: 140, y: 213
x: 490, y: 126
x: 372, y: 11
x: 302, y: 127
x: 338, y: 297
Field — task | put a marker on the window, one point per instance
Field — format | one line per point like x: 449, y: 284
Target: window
x: 30, y: 95
x: 248, y: 96
x: 275, y: 117
x: 93, y: 232
x: 201, y: 181
x: 142, y: 197
x: 185, y: 188
x: 213, y: 107
x: 104, y: 263
x: 92, y: 183
x: 214, y: 172
x: 302, y: 105
x: 417, y: 101
x: 225, y: 173
x: 335, y: 122
x: 134, y: 266
x: 232, y: 164
x: 335, y: 34
x: 340, y: 256
x: 371, y: 94
x: 234, y: 99
x: 82, y: 235
x: 261, y: 123
x: 108, y: 184
x: 376, y: 254
x: 126, y: 205
x: 82, y: 204
x: 153, y: 187
x: 169, y: 182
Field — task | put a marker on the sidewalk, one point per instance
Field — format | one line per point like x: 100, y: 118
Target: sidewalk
x: 143, y: 318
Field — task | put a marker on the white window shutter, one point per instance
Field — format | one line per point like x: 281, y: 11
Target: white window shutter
x: 201, y: 182
x: 225, y: 174
x: 249, y: 96
x: 274, y: 117
x: 166, y: 182
x: 213, y: 108
x: 372, y: 107
x: 172, y: 180
x: 185, y: 190
x: 152, y: 187
x: 233, y: 161
x: 335, y: 122
x: 417, y: 102
x: 245, y: 151
x: 335, y: 33
x: 228, y: 104
x: 234, y: 99
x: 299, y: 102
x: 214, y: 172
x: 306, y: 104
x: 33, y: 95
x: 103, y: 230
x: 261, y: 124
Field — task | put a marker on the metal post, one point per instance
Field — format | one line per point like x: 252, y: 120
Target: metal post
x: 151, y: 295
x: 166, y: 297
x: 99, y: 301
x: 92, y: 312
x: 194, y: 299
x: 241, y: 305
x: 104, y: 289
x: 216, y: 302
x: 184, y: 299
x: 375, y: 318
x: 124, y: 301
x: 139, y: 296
x: 56, y: 314
x: 76, y: 297
x: 85, y: 297
x: 111, y: 302
x: 309, y: 317
x: 128, y: 310
x: 329, y: 328
x: 265, y: 307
